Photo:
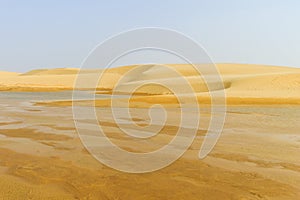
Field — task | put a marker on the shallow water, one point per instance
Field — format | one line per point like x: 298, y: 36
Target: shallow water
x: 40, y: 151
x: 47, y: 96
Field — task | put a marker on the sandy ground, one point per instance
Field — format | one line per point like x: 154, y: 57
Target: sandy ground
x: 257, y: 157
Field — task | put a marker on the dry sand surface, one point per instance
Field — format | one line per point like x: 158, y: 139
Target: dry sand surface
x: 256, y: 157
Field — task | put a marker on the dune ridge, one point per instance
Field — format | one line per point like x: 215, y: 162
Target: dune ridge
x: 243, y: 83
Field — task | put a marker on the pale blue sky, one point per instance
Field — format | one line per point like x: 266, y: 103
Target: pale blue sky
x: 53, y: 33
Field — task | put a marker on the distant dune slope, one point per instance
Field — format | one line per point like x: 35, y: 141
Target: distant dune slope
x: 240, y: 80
x: 58, y: 71
x: 3, y: 74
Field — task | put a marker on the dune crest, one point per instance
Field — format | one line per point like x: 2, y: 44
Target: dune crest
x: 58, y: 71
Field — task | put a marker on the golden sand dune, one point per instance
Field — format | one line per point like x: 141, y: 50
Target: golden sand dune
x: 50, y: 80
x: 57, y: 71
x: 3, y: 74
x: 247, y: 69
x: 36, y: 82
x: 242, y: 82
x: 285, y: 84
x: 236, y: 78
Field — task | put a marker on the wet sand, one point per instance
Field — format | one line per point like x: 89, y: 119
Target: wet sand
x: 257, y: 157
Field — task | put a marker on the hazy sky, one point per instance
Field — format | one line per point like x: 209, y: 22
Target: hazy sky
x: 49, y: 33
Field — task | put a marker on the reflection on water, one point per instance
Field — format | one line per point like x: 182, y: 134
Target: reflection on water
x: 40, y: 96
x: 292, y: 112
x: 48, y: 96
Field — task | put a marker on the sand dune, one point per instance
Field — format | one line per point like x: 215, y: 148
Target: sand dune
x: 285, y: 85
x: 58, y: 71
x: 3, y: 74
x: 257, y: 83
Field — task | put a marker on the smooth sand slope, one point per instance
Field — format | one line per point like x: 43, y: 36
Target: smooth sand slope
x: 244, y: 84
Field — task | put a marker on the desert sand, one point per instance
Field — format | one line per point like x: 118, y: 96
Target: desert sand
x: 256, y: 157
x: 244, y: 84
